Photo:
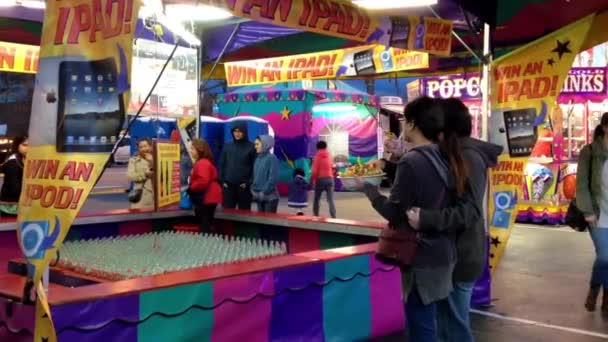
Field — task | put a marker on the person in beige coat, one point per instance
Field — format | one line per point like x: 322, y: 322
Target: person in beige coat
x: 140, y: 172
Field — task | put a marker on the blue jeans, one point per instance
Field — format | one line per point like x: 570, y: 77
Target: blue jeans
x: 599, y: 275
x: 421, y: 319
x: 268, y: 206
x: 327, y: 185
x: 453, y: 320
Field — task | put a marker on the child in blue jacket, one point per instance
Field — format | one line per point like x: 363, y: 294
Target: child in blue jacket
x: 298, y: 192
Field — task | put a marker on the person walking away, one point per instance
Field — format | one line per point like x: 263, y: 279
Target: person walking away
x: 298, y: 192
x: 467, y: 220
x: 265, y: 176
x: 322, y: 179
x: 424, y: 173
x: 205, y: 191
x: 140, y: 172
x: 236, y: 169
x: 592, y: 200
x: 13, y: 176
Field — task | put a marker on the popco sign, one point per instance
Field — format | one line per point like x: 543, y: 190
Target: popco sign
x: 458, y: 86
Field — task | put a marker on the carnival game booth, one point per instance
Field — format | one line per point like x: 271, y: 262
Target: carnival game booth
x: 300, y: 118
x: 550, y: 175
x: 146, y: 277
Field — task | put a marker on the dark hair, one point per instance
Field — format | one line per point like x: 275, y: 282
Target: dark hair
x: 598, y: 133
x: 203, y: 149
x: 17, y: 142
x: 299, y: 172
x: 321, y: 145
x: 148, y: 140
x: 457, y: 117
x: 428, y: 116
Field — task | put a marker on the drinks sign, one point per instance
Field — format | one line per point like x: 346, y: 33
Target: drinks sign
x: 585, y: 81
x: 459, y: 86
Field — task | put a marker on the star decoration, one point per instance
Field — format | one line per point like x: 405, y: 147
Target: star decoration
x: 550, y: 61
x: 495, y: 241
x: 285, y: 113
x: 45, y: 315
x: 491, y: 255
x: 562, y: 48
x: 45, y: 339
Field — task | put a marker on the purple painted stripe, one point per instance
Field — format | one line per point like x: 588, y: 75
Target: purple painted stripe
x: 22, y: 319
x: 97, y: 313
x: 363, y: 147
x: 253, y: 318
x: 482, y: 292
x: 298, y: 315
x: 385, y: 300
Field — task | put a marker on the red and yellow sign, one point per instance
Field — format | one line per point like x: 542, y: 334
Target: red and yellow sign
x: 343, y: 19
x: 167, y: 174
x: 18, y: 58
x: 364, y: 60
x: 525, y: 86
x: 82, y: 88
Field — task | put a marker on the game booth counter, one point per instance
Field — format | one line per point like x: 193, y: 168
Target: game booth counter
x: 347, y: 120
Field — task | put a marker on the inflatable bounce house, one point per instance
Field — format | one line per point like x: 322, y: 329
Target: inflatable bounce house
x: 298, y: 119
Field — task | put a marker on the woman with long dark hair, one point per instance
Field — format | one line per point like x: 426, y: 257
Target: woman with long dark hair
x: 13, y: 175
x: 205, y: 190
x: 426, y: 177
x: 592, y: 200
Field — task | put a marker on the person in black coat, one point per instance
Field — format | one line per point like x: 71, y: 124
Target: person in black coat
x: 13, y: 172
x: 236, y: 169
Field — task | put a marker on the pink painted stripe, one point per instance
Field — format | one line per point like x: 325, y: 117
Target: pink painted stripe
x: 134, y: 227
x: 254, y: 317
x: 385, y: 300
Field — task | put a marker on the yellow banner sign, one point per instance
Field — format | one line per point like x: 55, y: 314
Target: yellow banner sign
x: 78, y: 108
x: 525, y: 86
x: 167, y: 174
x: 343, y: 19
x: 365, y: 60
x: 18, y: 58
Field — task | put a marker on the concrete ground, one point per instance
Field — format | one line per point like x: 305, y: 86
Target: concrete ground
x: 538, y: 289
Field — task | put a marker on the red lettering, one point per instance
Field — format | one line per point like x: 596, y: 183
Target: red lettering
x: 114, y: 29
x: 7, y: 57
x: 80, y: 23
x: 352, y: 26
x: 336, y: 18
x: 77, y: 171
x: 534, y: 68
x: 62, y: 23
x: 268, y: 8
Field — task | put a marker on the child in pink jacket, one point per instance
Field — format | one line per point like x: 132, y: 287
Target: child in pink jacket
x: 322, y: 178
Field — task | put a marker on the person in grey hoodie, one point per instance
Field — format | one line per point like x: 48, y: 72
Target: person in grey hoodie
x: 465, y: 219
x: 236, y: 169
x: 265, y: 175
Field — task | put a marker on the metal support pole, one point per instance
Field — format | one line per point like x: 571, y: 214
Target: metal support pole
x: 462, y: 42
x: 221, y: 54
x: 486, y: 110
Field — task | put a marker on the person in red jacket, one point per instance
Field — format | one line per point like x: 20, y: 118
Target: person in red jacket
x: 205, y: 190
x: 322, y: 178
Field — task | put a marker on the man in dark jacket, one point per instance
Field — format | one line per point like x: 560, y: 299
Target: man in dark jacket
x: 236, y: 169
x: 453, y: 312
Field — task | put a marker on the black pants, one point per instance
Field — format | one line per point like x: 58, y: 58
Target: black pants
x: 205, y: 214
x: 236, y: 197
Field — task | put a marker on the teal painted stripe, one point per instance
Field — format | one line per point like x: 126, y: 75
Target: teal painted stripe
x: 335, y: 240
x: 245, y: 229
x: 346, y: 305
x: 194, y: 325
